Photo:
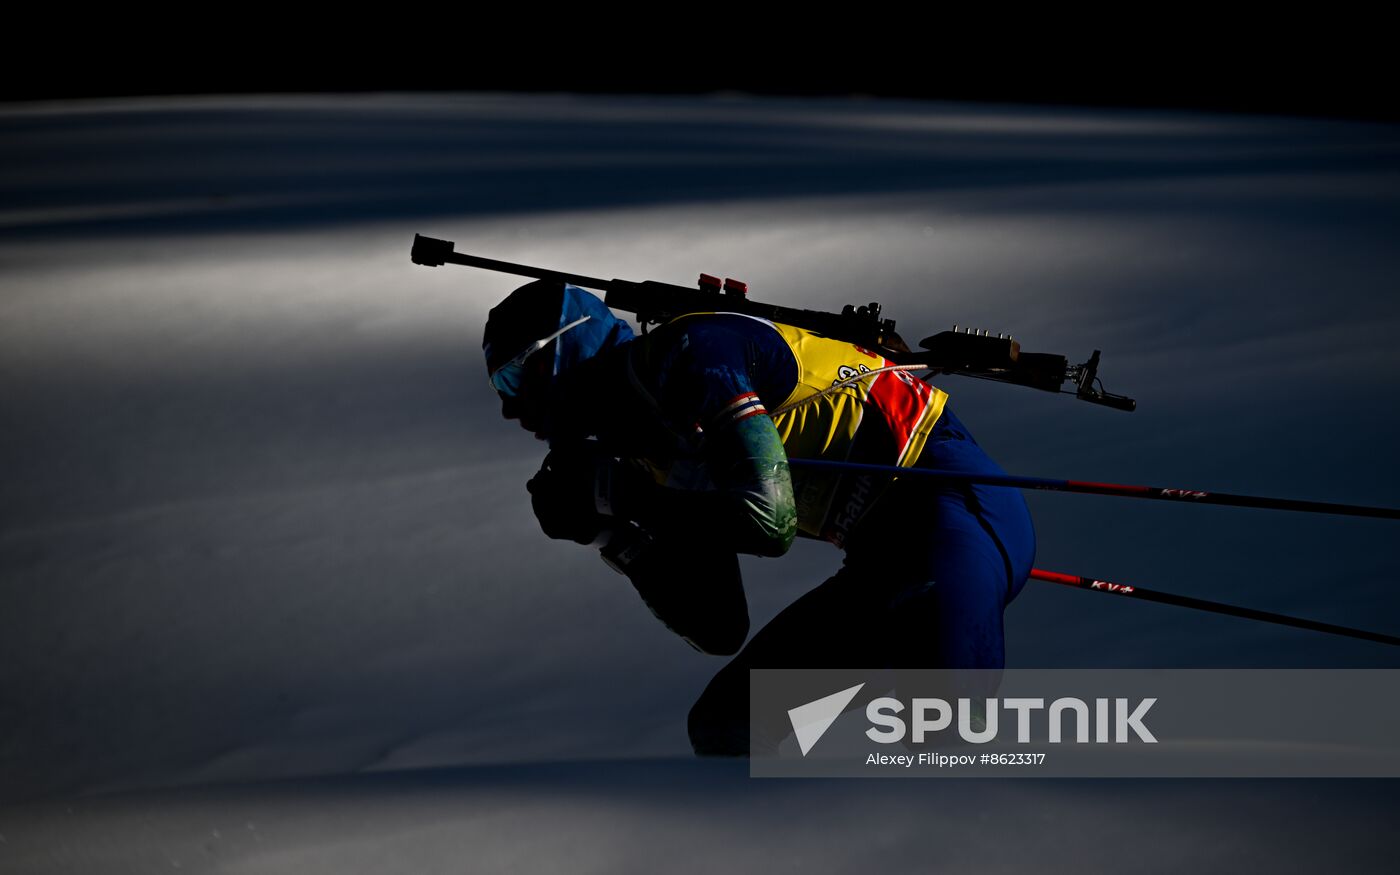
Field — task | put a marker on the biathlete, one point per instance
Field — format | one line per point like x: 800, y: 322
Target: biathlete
x: 669, y: 451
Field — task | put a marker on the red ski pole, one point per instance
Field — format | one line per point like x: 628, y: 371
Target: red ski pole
x: 1166, y: 598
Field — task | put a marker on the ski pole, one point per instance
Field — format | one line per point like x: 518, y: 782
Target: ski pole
x: 1165, y: 598
x: 1193, y: 496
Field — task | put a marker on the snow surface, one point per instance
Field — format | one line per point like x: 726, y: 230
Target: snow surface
x: 259, y: 520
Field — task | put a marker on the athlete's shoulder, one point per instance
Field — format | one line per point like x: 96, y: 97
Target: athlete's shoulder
x: 709, y: 340
x: 699, y: 364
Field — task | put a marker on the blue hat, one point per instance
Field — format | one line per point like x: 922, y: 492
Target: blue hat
x: 542, y: 308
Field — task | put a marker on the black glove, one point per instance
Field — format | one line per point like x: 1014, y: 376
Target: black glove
x: 562, y: 494
x: 581, y: 492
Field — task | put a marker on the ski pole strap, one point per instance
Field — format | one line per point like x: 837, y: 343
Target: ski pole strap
x: 1166, y: 598
x: 1190, y: 496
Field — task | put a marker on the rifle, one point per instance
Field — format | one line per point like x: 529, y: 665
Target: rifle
x: 968, y: 353
x: 955, y: 352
